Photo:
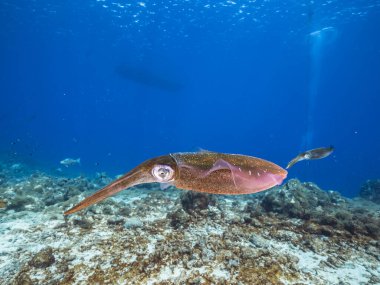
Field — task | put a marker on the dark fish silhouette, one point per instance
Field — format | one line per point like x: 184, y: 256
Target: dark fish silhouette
x: 316, y: 153
x: 148, y: 78
x: 209, y: 172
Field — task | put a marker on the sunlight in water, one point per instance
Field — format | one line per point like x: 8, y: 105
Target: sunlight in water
x: 318, y: 40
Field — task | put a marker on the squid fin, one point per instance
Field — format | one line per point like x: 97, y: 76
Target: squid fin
x: 222, y: 164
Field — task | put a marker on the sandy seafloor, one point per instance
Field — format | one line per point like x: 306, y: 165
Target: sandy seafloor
x: 293, y: 234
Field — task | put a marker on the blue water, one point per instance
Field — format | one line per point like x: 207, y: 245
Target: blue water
x: 118, y: 82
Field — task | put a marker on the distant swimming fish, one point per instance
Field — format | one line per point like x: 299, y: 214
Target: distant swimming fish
x: 148, y: 78
x: 316, y: 153
x: 209, y: 172
x: 70, y: 162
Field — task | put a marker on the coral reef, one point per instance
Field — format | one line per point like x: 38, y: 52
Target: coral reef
x: 293, y: 234
x: 370, y: 190
x: 36, y: 191
x: 333, y: 214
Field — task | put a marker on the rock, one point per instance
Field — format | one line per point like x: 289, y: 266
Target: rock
x: 304, y: 201
x: 179, y: 219
x: 115, y: 221
x: 70, y: 192
x: 102, y: 179
x: 254, y: 210
x: 107, y: 210
x: 19, y: 202
x: 133, y: 223
x: 125, y: 211
x: 370, y: 190
x: 83, y: 223
x: 194, y: 202
x: 43, y: 258
x: 54, y: 199
x: 17, y: 167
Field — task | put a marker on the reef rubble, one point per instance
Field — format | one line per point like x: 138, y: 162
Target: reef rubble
x: 293, y: 234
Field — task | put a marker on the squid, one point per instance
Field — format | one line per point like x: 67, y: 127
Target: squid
x: 208, y: 172
x: 316, y: 153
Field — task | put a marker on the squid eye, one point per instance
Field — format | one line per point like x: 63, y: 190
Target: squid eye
x: 162, y: 173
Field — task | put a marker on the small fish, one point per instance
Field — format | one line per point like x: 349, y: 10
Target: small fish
x: 70, y: 162
x: 209, y: 172
x: 316, y: 153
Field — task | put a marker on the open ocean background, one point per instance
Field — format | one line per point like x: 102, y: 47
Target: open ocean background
x: 118, y: 82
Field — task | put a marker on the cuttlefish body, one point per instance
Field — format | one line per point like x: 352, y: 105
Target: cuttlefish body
x: 316, y: 153
x: 209, y: 172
